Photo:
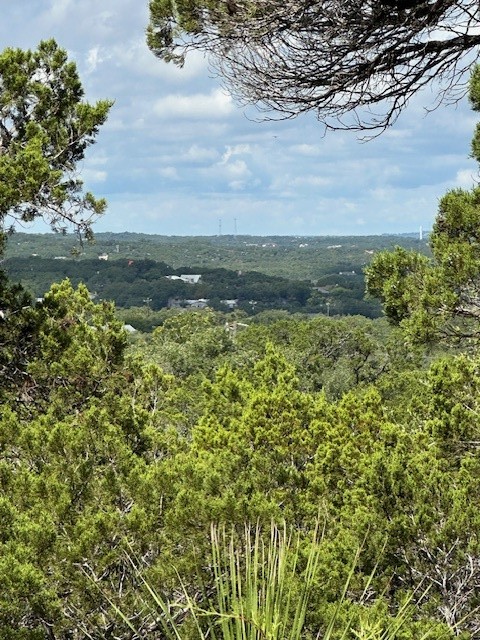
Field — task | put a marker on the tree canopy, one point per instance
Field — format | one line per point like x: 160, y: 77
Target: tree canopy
x: 118, y: 455
x: 45, y: 128
x: 439, y: 298
x: 355, y: 63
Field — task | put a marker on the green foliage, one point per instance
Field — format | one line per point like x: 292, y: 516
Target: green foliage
x: 257, y: 592
x: 75, y: 450
x: 437, y: 299
x: 80, y: 344
x: 45, y: 128
x: 263, y: 584
x: 330, y: 354
x: 106, y: 457
x: 188, y: 343
x: 454, y: 385
x: 143, y: 319
x: 393, y: 277
x: 132, y: 283
x: 261, y: 273
x: 313, y: 258
x: 19, y: 327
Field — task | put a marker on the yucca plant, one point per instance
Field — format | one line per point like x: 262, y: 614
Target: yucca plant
x: 262, y: 591
x: 257, y: 596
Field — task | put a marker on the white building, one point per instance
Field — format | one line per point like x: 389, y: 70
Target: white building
x: 193, y: 278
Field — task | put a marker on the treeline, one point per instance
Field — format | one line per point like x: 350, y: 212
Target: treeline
x: 291, y: 257
x: 136, y: 283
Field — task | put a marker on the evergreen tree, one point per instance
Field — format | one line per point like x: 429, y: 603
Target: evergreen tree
x: 438, y: 299
x: 45, y: 129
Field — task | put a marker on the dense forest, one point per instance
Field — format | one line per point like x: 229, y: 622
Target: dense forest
x: 119, y: 453
x: 223, y: 475
x: 308, y: 275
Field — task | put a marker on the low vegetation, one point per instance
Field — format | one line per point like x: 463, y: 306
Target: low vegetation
x: 229, y: 476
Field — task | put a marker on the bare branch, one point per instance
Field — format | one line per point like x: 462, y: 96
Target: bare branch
x: 355, y: 63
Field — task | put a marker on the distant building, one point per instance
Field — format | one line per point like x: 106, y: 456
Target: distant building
x: 201, y: 303
x: 188, y: 278
x: 178, y: 303
x: 231, y: 304
x: 103, y: 256
x: 191, y: 278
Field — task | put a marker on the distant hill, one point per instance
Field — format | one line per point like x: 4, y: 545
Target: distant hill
x: 293, y: 257
x: 298, y: 274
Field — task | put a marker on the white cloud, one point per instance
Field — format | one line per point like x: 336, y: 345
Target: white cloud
x: 398, y: 134
x: 235, y: 150
x: 237, y: 185
x: 238, y: 169
x: 234, y: 175
x: 93, y: 59
x: 466, y: 178
x: 58, y: 9
x: 137, y: 58
x: 169, y: 172
x: 94, y: 175
x: 197, y: 153
x: 382, y: 194
x: 311, y: 181
x: 170, y: 124
x: 390, y: 170
x: 217, y: 104
x: 294, y: 186
x: 306, y: 149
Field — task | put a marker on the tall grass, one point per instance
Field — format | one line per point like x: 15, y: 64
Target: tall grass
x: 256, y: 592
x: 262, y: 591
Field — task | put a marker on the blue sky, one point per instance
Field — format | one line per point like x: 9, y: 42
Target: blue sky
x: 178, y: 156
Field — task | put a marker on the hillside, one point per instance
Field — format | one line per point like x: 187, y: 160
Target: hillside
x: 293, y: 257
x: 311, y: 275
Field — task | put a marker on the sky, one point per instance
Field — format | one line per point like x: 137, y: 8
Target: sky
x: 179, y: 157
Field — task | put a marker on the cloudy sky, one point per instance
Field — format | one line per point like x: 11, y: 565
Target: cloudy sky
x: 179, y: 157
